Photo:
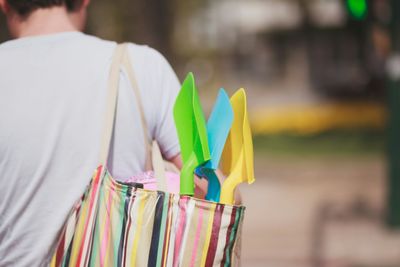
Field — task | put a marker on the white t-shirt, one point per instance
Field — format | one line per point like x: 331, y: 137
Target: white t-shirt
x: 52, y: 102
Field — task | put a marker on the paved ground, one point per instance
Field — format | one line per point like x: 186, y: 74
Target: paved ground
x: 318, y: 212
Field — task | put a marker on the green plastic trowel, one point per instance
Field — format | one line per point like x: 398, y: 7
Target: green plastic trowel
x: 237, y: 157
x: 191, y: 128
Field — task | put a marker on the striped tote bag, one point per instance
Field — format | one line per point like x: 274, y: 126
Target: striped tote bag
x: 122, y: 224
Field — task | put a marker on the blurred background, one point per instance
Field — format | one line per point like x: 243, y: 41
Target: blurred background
x: 323, y: 84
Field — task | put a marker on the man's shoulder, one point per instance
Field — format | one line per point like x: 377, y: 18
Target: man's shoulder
x: 142, y: 50
x: 137, y: 51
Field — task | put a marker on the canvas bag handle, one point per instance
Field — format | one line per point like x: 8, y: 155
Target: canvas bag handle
x: 111, y: 104
x: 153, y: 155
x: 154, y: 160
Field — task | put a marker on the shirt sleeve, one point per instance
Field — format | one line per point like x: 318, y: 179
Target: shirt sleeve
x: 165, y: 130
x: 159, y: 100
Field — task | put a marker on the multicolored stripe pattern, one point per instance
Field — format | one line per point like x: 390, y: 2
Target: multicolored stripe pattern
x: 115, y: 224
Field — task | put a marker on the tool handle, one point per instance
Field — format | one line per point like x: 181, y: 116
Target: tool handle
x: 187, y: 176
x: 214, y: 186
x: 228, y: 188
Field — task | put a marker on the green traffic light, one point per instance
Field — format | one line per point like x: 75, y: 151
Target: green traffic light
x: 357, y: 8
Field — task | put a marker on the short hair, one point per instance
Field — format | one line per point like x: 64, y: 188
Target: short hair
x: 25, y: 7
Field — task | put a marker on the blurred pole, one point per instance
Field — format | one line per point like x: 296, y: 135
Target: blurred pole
x: 393, y: 71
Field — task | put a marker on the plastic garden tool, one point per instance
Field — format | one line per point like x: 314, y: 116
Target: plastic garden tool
x: 191, y: 127
x: 218, y: 126
x: 237, y: 157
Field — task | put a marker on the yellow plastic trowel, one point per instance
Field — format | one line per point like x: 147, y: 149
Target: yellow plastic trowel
x: 237, y: 157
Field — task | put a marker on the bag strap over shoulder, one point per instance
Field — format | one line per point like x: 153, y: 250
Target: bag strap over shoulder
x: 111, y: 104
x: 153, y: 155
x: 154, y: 160
x: 126, y: 63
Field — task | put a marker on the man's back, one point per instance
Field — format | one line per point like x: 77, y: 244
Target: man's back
x: 52, y: 102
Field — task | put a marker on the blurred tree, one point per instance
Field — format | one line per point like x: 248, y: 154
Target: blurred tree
x: 358, y: 9
x: 150, y: 22
x: 394, y: 119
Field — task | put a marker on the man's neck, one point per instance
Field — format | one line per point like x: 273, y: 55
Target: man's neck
x: 42, y: 22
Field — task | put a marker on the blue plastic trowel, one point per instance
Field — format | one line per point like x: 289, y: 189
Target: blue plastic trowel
x: 218, y: 127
